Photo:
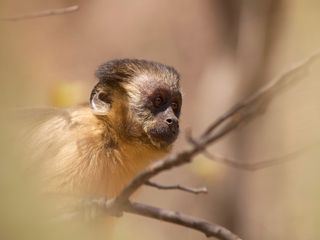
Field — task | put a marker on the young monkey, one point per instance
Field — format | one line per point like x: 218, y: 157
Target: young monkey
x: 96, y: 149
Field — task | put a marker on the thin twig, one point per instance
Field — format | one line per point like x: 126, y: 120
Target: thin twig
x: 209, y: 229
x: 170, y: 162
x: 177, y: 187
x: 44, y: 13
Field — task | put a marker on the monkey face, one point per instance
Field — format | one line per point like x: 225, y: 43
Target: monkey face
x: 157, y: 106
x: 164, y: 107
x: 142, y: 98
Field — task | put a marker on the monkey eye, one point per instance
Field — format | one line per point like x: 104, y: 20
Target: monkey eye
x: 174, y: 106
x: 158, y: 101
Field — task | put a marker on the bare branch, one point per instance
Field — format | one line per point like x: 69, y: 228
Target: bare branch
x: 228, y: 122
x: 209, y: 229
x: 249, y: 166
x: 232, y: 119
x: 177, y: 187
x: 281, y: 79
x: 170, y: 162
x: 112, y: 208
x: 44, y: 13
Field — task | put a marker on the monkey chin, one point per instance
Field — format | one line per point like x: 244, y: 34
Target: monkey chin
x: 161, y: 145
x: 162, y: 141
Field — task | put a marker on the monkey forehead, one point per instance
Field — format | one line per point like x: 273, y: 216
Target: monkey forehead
x: 148, y: 83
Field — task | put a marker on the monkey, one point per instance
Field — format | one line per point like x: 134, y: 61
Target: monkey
x: 95, y: 149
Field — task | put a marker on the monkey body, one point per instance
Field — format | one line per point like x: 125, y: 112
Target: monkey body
x: 96, y: 149
x: 82, y: 155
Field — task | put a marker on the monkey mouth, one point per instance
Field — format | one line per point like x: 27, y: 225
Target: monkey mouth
x: 162, y: 137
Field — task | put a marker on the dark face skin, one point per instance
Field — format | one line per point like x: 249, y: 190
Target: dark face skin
x: 159, y: 110
x: 164, y: 106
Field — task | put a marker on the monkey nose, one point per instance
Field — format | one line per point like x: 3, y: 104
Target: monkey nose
x: 169, y: 121
x: 173, y: 123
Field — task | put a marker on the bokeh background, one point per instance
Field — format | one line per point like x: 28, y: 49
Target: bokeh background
x: 224, y: 50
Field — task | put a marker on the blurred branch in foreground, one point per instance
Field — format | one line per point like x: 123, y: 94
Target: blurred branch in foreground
x: 228, y: 122
x: 260, y: 164
x: 44, y: 13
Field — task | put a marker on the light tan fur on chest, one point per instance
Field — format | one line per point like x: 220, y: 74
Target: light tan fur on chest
x: 76, y: 156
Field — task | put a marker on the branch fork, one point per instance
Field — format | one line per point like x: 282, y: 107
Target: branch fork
x: 242, y: 112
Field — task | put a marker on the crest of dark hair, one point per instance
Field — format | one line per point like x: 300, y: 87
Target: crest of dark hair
x: 120, y: 70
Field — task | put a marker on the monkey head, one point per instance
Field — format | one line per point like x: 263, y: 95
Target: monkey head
x: 140, y: 98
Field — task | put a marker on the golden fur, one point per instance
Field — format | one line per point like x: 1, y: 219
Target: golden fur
x: 70, y: 153
x: 81, y: 152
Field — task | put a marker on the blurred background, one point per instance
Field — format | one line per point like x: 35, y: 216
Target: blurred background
x: 224, y: 50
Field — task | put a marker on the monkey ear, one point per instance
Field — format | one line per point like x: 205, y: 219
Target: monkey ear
x: 100, y: 103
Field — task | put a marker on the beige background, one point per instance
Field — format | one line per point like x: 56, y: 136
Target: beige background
x: 224, y: 50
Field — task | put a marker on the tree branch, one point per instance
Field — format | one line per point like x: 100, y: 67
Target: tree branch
x: 209, y: 229
x: 258, y: 165
x: 232, y: 119
x: 172, y: 161
x: 44, y: 13
x: 177, y: 187
x: 272, y: 87
x: 228, y: 122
